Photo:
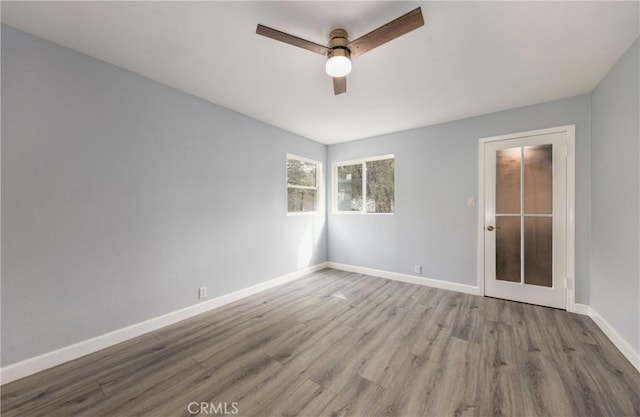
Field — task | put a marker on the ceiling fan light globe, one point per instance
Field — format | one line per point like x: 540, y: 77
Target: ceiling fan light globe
x: 338, y: 66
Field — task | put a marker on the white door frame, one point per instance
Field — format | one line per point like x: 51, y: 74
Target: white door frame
x: 570, y: 131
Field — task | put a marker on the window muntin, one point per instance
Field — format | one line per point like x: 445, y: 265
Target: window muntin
x: 302, y: 184
x: 365, y: 186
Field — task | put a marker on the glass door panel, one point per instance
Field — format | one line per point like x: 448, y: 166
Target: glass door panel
x: 508, y: 264
x: 538, y: 179
x: 524, y: 205
x: 508, y: 167
x: 538, y: 254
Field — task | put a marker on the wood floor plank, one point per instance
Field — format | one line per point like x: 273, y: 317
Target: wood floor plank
x: 433, y: 348
x: 499, y: 383
x: 585, y: 390
x: 337, y: 343
x: 411, y: 389
x: 256, y: 333
x: 359, y: 398
x: 67, y: 378
x: 617, y: 382
x: 218, y: 335
x: 241, y: 345
x: 530, y: 334
x: 320, y: 351
x: 65, y: 402
x: 336, y: 374
x: 264, y: 398
x: 430, y: 297
x: 496, y: 309
x: 575, y: 326
x: 367, y: 290
x: 447, y: 309
x: 543, y: 391
x: 360, y: 315
x: 340, y: 363
x: 134, y: 380
x: 208, y: 321
x: 268, y: 395
x: 559, y: 343
x: 347, y: 283
x: 381, y: 314
x: 293, y: 402
x: 258, y: 391
x: 456, y: 391
x: 382, y: 365
x: 124, y: 400
x: 207, y: 386
x: 332, y: 306
x: 432, y: 338
x: 317, y: 403
x: 469, y: 320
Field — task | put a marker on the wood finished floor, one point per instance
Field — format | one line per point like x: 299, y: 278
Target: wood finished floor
x: 344, y: 344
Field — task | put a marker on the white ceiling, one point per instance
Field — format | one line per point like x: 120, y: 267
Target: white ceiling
x: 470, y: 58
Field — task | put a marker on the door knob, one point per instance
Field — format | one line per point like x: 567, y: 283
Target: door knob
x: 490, y: 228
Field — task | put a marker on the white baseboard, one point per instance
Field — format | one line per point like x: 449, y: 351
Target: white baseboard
x: 580, y: 309
x: 429, y: 282
x: 623, y: 346
x: 48, y: 360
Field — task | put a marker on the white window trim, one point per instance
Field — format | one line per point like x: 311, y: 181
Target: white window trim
x: 318, y: 186
x: 334, y: 182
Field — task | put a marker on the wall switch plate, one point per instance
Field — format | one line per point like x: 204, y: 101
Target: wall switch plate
x: 417, y: 269
x: 202, y: 292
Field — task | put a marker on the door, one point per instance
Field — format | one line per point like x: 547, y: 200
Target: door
x: 525, y: 215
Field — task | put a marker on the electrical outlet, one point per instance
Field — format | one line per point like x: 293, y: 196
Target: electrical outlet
x: 417, y: 269
x: 202, y: 292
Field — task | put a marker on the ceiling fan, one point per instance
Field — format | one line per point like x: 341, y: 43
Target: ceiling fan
x: 340, y: 51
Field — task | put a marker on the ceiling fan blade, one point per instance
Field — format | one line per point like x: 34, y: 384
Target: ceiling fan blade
x: 385, y: 33
x: 291, y: 40
x: 339, y: 85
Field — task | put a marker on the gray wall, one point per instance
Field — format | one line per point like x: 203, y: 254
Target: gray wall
x: 436, y: 169
x: 615, y: 209
x: 120, y: 197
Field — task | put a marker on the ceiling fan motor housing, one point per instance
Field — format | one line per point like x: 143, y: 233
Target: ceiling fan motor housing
x: 338, y: 43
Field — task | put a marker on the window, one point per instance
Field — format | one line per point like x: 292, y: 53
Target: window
x: 364, y: 186
x: 302, y: 184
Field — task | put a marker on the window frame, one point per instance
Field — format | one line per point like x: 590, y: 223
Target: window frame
x: 318, y: 186
x: 363, y: 162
